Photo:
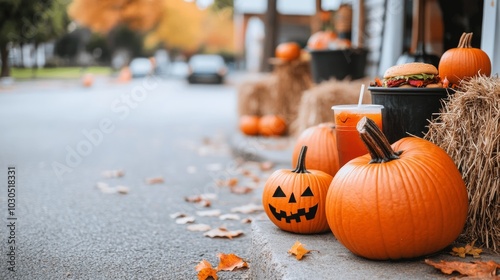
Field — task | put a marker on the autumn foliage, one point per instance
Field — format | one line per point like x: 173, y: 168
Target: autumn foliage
x: 102, y: 16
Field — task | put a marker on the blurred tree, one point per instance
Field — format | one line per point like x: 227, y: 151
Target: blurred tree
x: 201, y: 30
x: 29, y: 21
x: 219, y: 5
x: 180, y: 27
x: 103, y: 16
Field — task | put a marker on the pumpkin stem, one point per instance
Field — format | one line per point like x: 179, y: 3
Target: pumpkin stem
x: 301, y: 161
x: 378, y: 146
x: 468, y: 41
x: 465, y: 41
x: 461, y: 42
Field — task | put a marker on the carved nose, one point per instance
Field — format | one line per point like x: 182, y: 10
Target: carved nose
x: 292, y: 199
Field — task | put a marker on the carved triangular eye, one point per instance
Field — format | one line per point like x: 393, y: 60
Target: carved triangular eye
x: 279, y: 192
x: 307, y: 192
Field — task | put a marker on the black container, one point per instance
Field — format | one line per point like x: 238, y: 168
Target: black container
x: 338, y: 64
x: 408, y: 110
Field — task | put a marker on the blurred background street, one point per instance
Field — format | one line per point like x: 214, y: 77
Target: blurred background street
x: 69, y: 228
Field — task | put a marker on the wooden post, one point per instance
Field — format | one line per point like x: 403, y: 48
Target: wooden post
x: 271, y: 31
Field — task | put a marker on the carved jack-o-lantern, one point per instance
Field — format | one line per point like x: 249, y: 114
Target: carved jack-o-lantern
x: 294, y: 200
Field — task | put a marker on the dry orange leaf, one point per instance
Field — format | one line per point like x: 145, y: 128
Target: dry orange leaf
x: 468, y: 249
x: 155, y: 180
x: 198, y: 199
x: 298, y: 250
x: 231, y: 182
x: 475, y: 268
x: 223, y: 232
x: 266, y: 165
x: 205, y: 270
x: 185, y: 220
x: 241, y: 189
x: 229, y: 262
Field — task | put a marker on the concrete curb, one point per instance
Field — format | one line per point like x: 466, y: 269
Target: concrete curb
x: 329, y: 259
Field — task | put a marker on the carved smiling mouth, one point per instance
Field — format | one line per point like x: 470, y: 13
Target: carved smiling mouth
x: 296, y: 216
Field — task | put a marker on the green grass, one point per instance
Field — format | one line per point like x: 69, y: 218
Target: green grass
x: 57, y: 73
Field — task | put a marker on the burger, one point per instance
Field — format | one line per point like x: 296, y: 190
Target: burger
x: 414, y: 74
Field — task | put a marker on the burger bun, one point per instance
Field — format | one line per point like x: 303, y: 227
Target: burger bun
x: 411, y: 68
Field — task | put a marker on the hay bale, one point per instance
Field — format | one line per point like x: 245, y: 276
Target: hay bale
x: 292, y: 79
x: 468, y: 129
x: 255, y: 97
x: 316, y: 103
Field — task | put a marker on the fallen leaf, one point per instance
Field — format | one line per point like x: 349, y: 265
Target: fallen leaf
x: 105, y: 188
x: 112, y: 173
x: 122, y: 189
x: 155, y: 180
x: 468, y: 249
x: 266, y: 165
x: 177, y: 215
x: 241, y: 190
x: 209, y: 213
x: 248, y: 208
x: 229, y: 262
x: 231, y: 182
x: 475, y: 268
x: 246, y: 221
x: 202, y: 200
x: 223, y: 232
x: 205, y: 203
x: 246, y: 172
x: 199, y: 227
x: 229, y: 217
x: 200, y: 197
x: 298, y: 250
x: 185, y: 220
x: 205, y: 270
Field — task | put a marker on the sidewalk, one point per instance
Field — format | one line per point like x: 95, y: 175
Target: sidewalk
x: 328, y: 258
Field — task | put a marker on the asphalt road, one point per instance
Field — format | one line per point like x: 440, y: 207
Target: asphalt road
x: 59, y: 137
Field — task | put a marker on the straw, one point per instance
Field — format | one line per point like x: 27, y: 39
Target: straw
x: 361, y: 95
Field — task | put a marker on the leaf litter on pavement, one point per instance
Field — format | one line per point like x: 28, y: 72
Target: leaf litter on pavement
x: 241, y: 178
x: 227, y: 262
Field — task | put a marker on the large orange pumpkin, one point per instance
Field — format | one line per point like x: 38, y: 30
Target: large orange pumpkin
x: 321, y: 40
x: 272, y: 125
x: 288, y: 51
x: 396, y: 205
x: 249, y: 124
x: 464, y: 61
x: 294, y: 200
x: 322, y: 153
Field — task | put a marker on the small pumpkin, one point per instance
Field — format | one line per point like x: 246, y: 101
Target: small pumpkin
x: 87, y: 80
x: 321, y: 40
x: 322, y: 153
x: 288, y: 51
x: 397, y: 205
x: 464, y: 61
x: 272, y: 125
x: 249, y: 124
x: 294, y: 200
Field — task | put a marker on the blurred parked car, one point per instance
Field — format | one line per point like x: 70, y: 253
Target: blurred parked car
x: 140, y: 67
x: 207, y: 68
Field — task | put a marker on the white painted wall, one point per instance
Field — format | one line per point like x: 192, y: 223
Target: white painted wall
x: 490, y: 39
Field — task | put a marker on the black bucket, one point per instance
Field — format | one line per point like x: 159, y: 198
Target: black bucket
x: 338, y: 64
x: 408, y: 110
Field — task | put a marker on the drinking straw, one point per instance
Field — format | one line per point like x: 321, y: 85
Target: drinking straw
x: 361, y: 95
